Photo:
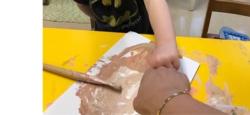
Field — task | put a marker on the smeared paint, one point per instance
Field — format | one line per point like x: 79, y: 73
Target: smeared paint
x: 213, y: 64
x: 70, y: 61
x: 243, y: 49
x: 216, y: 97
x: 222, y: 100
x: 198, y: 80
x: 198, y: 56
x: 85, y: 65
x: 127, y: 69
x: 104, y: 46
x: 212, y: 61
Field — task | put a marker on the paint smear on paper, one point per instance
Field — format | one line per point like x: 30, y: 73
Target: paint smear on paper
x: 127, y: 69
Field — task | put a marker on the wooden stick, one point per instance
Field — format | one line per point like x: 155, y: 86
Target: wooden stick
x: 80, y: 77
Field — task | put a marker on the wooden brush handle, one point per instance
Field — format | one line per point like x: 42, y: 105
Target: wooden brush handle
x: 63, y: 72
x: 78, y: 76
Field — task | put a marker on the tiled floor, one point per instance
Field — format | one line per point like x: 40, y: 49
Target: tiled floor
x: 187, y: 22
x: 64, y: 11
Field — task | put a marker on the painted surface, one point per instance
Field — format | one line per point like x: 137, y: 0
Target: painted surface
x: 224, y: 63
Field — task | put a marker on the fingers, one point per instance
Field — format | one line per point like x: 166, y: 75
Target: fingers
x: 176, y: 64
x: 169, y: 63
x: 156, y: 61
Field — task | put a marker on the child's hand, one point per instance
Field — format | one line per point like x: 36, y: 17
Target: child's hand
x: 165, y: 55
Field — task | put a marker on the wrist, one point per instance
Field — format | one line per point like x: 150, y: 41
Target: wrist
x: 165, y: 43
x: 172, y: 97
x: 165, y: 40
x: 172, y: 105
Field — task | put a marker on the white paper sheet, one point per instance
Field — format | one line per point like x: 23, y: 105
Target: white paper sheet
x: 69, y: 103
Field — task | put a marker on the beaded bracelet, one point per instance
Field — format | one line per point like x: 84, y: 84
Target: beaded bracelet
x: 186, y: 91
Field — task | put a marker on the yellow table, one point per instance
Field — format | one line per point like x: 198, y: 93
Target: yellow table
x: 227, y: 63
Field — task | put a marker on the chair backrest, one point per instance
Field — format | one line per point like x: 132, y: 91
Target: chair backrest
x: 239, y: 7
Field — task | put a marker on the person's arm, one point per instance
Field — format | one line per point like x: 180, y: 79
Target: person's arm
x: 158, y: 84
x: 186, y: 105
x: 166, y: 52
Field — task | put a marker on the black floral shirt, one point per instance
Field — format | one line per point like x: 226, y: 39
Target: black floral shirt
x: 119, y: 15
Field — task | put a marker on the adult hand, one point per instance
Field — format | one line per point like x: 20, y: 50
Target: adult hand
x: 156, y: 85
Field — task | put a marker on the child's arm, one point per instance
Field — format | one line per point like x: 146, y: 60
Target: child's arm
x: 166, y: 52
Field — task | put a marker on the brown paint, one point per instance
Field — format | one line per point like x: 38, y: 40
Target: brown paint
x: 70, y: 61
x: 126, y: 69
x: 221, y: 99
x: 213, y: 64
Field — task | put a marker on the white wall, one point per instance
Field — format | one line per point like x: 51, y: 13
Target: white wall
x: 185, y: 4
